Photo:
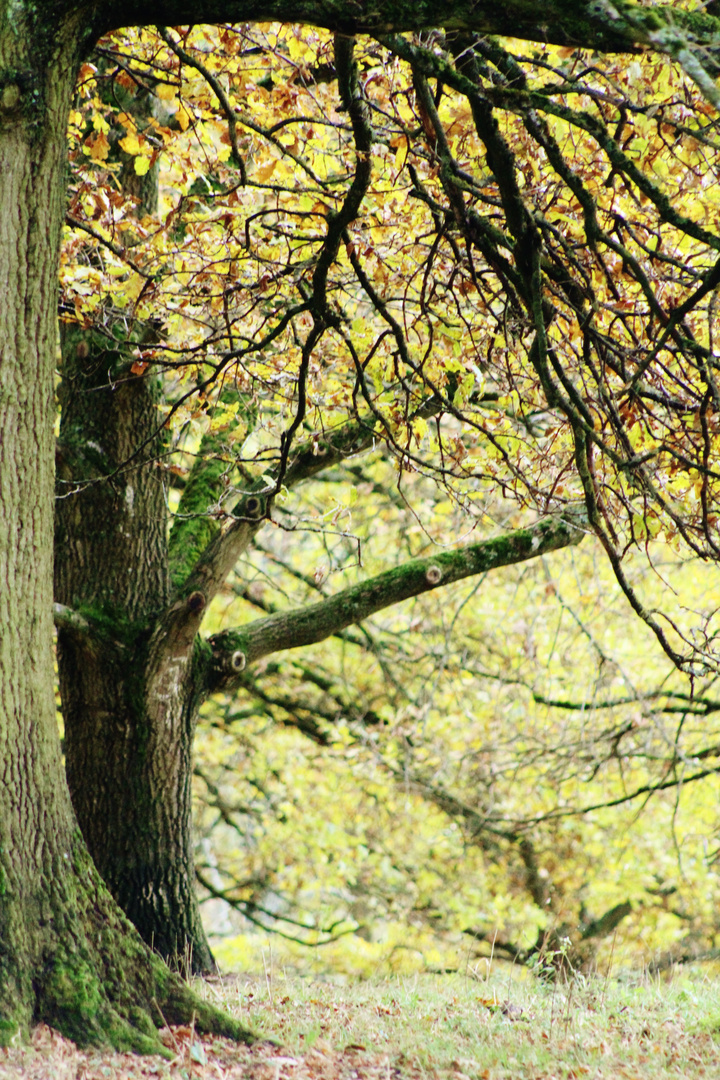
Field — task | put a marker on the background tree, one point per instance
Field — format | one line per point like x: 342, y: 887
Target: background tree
x: 464, y: 791
x: 56, y: 969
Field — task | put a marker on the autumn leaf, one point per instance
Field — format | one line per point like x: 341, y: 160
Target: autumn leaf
x: 130, y: 144
x: 166, y: 91
x: 97, y: 147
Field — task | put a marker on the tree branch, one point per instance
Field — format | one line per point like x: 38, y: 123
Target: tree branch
x: 229, y: 541
x: 233, y: 649
x: 250, y: 512
x: 604, y: 926
x: 70, y: 620
x: 251, y: 910
x: 622, y: 26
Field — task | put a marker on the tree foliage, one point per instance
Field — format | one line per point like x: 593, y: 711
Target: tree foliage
x: 502, y: 266
x: 496, y: 264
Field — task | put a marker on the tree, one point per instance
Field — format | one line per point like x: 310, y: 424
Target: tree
x: 67, y: 954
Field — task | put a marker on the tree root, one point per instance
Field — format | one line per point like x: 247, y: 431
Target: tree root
x: 76, y: 1003
x: 86, y: 972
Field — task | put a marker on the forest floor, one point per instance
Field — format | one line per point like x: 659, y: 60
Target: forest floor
x: 422, y: 1028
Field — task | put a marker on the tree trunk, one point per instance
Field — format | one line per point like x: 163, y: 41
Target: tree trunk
x: 127, y: 694
x: 67, y: 954
x: 127, y: 751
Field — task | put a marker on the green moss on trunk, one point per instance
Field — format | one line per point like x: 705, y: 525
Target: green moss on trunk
x: 196, y: 523
x: 87, y: 973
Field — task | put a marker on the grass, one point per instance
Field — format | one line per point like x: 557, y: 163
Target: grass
x: 445, y: 1027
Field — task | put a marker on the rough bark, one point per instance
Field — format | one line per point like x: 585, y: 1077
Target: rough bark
x: 67, y: 954
x: 128, y: 709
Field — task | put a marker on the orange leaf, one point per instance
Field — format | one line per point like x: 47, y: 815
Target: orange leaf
x: 97, y: 147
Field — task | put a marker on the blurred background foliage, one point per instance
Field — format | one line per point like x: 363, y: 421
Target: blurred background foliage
x: 504, y: 759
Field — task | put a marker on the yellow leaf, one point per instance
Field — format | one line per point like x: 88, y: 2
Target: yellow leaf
x: 183, y: 117
x: 142, y: 164
x: 130, y: 144
x: 420, y: 429
x: 165, y: 91
x: 264, y: 172
x: 133, y: 287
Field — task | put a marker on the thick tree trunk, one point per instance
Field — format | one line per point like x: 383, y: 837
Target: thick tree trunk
x: 127, y: 690
x: 36, y: 852
x: 127, y: 750
x: 128, y: 764
x: 67, y: 954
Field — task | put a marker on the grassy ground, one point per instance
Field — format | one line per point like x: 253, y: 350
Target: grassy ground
x: 421, y: 1028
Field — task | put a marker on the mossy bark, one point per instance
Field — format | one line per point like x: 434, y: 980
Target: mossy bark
x: 195, y: 525
x: 127, y: 687
x: 234, y: 649
x: 83, y: 968
x: 68, y: 956
x: 627, y: 26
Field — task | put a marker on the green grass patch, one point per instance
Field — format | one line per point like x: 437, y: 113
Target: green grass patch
x: 508, y: 1027
x: 512, y: 1026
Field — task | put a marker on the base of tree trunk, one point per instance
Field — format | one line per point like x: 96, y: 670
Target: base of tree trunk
x: 83, y: 969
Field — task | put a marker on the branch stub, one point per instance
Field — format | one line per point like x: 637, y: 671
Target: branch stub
x: 254, y: 507
x: 10, y: 97
x: 196, y: 601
